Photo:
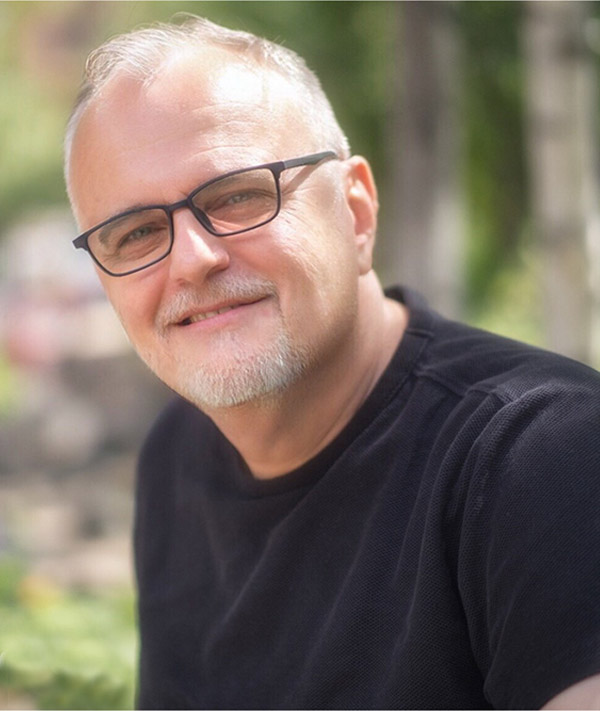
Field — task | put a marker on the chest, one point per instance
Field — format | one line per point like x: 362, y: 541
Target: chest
x: 310, y: 600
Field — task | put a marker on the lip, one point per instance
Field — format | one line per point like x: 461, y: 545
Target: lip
x: 214, y: 313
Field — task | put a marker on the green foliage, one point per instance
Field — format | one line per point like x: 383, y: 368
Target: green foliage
x: 12, y: 571
x: 30, y: 127
x: 62, y: 649
x: 65, y: 690
x: 31, y: 123
x: 9, y: 396
x: 495, y: 144
x: 511, y: 306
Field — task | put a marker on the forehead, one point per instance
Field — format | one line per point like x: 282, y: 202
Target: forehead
x: 203, y: 113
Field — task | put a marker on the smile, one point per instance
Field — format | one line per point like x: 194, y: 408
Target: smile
x: 207, y: 314
x: 213, y: 313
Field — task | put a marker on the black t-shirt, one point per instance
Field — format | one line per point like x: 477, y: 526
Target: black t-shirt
x: 442, y: 552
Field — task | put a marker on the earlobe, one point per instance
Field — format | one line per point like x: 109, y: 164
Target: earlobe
x: 361, y: 195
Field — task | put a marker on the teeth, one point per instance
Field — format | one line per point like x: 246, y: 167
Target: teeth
x: 209, y: 314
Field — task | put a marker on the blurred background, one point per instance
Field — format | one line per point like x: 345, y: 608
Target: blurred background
x: 481, y: 122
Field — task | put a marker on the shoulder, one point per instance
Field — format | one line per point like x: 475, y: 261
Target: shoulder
x: 465, y: 359
x: 534, y: 417
x: 527, y: 522
x: 470, y: 359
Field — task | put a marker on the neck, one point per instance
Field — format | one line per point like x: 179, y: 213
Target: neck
x: 281, y: 434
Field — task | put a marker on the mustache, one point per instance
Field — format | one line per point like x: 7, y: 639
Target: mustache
x: 193, y: 298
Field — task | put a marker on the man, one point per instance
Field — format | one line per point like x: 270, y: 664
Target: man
x: 354, y: 503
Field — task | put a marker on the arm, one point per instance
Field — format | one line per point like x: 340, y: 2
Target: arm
x: 584, y: 695
x: 528, y: 565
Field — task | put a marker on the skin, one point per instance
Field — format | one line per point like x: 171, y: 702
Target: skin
x: 310, y: 270
x: 309, y: 273
x: 583, y: 695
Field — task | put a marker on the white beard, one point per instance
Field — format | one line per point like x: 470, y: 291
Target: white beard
x: 244, y: 378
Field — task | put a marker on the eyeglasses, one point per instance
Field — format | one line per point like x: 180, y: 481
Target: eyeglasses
x: 235, y: 202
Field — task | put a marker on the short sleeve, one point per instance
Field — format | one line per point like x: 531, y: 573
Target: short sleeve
x: 529, y: 560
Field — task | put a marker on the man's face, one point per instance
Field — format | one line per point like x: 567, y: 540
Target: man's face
x: 222, y: 320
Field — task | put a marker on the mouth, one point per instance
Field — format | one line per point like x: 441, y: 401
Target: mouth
x: 198, y: 316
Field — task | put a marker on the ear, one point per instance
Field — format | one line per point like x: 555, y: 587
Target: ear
x: 361, y: 196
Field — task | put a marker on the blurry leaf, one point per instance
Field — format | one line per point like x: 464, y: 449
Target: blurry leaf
x: 66, y: 650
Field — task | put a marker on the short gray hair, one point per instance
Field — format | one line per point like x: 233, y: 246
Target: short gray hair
x: 141, y: 53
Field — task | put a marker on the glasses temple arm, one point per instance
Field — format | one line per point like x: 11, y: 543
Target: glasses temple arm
x: 309, y: 160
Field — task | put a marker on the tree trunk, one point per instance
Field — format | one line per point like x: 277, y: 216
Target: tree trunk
x: 561, y: 112
x: 425, y: 242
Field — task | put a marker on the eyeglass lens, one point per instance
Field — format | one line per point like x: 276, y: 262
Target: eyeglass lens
x: 232, y: 204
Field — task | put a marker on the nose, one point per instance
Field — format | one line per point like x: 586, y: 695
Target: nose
x: 195, y: 253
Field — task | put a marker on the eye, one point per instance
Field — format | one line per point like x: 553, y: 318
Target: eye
x: 138, y: 233
x: 143, y: 233
x: 239, y: 197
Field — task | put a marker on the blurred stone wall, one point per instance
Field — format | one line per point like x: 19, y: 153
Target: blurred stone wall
x: 75, y: 404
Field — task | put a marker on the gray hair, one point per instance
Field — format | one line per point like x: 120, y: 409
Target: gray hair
x: 141, y: 53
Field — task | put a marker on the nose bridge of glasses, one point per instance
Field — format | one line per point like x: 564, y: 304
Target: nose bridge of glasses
x: 185, y: 232
x: 188, y: 203
x: 194, y: 250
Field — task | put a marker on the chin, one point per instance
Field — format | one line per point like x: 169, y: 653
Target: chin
x: 232, y: 381
x: 253, y: 383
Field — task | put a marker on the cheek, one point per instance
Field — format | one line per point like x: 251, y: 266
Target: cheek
x: 320, y: 275
x: 298, y: 256
x: 317, y: 244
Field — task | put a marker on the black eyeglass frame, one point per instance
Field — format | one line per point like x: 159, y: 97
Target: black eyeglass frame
x: 276, y: 168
